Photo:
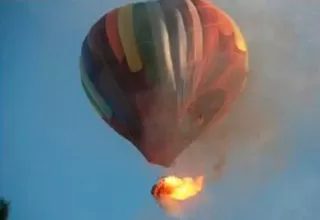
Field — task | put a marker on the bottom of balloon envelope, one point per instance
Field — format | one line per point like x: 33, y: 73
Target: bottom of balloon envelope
x: 171, y: 192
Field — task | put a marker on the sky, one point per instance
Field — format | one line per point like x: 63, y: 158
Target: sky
x: 59, y: 160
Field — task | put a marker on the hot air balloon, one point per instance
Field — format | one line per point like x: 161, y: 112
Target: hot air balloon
x: 162, y: 72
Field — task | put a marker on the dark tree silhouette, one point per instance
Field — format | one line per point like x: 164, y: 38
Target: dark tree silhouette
x: 4, y: 209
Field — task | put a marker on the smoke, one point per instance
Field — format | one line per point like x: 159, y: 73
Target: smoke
x: 251, y: 145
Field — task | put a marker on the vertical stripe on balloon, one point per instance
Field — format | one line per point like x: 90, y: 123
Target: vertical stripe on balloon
x: 111, y: 26
x: 162, y: 43
x: 103, y: 106
x: 209, y: 21
x: 91, y: 100
x: 126, y: 32
x: 178, y: 43
x: 179, y: 49
x: 145, y: 43
x: 95, y: 43
x: 195, y: 30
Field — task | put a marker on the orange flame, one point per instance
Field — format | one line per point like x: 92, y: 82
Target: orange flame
x: 179, y: 188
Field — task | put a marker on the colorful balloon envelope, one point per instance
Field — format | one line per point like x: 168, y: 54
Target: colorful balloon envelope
x: 160, y: 73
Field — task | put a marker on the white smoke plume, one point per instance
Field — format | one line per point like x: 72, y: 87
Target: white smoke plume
x: 253, y: 141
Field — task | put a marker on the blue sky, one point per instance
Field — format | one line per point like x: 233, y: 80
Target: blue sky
x: 60, y: 161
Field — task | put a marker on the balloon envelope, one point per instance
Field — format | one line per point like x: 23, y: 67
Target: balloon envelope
x: 161, y: 72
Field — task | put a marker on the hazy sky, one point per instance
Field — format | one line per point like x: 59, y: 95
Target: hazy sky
x: 59, y: 161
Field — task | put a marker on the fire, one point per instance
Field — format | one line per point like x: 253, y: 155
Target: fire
x: 179, y: 188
